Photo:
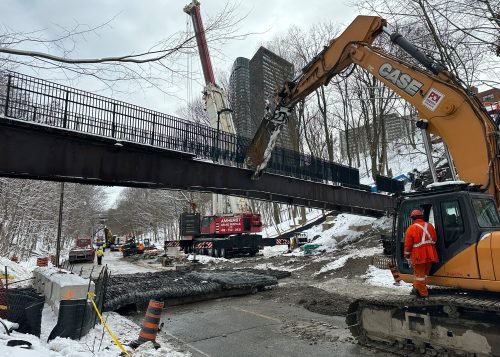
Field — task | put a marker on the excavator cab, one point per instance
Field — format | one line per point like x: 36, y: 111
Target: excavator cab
x: 467, y: 224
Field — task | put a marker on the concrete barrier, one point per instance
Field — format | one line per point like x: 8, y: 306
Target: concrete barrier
x: 59, y: 284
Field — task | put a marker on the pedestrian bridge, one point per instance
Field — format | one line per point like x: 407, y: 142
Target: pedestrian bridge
x: 53, y: 132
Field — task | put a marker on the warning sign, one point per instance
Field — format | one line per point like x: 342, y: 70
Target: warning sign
x: 432, y: 99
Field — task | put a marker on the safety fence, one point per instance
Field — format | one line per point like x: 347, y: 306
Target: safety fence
x: 43, y: 102
x: 23, y: 304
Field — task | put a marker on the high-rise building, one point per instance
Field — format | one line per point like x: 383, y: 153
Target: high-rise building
x: 252, y: 82
x: 357, y: 137
x: 239, y: 96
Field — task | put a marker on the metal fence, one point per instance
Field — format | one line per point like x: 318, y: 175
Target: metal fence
x: 43, y: 102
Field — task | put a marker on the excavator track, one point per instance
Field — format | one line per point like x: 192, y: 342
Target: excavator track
x: 448, y: 323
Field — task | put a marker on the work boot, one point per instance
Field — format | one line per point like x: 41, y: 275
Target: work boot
x: 419, y: 297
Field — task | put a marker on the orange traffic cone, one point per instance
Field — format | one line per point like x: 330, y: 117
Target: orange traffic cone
x: 150, y: 325
x: 395, y: 273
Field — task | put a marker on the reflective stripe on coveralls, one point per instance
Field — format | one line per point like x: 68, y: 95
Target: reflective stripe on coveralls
x: 425, y: 234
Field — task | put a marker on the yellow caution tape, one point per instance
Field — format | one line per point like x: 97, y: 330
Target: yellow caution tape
x: 3, y: 307
x: 120, y: 346
x: 10, y: 277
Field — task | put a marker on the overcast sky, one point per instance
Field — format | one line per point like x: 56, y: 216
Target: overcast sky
x: 136, y: 25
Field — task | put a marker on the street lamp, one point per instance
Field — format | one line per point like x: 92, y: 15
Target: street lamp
x: 219, y: 112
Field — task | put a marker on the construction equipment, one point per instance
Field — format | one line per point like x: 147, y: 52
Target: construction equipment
x: 131, y: 247
x: 83, y: 251
x: 222, y: 236
x: 460, y: 321
x: 217, y: 107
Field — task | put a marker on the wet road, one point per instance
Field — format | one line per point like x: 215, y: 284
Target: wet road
x: 251, y: 326
x: 116, y: 265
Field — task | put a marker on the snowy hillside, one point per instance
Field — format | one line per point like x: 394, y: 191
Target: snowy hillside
x: 401, y: 158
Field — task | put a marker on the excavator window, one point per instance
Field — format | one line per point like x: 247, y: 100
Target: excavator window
x: 453, y: 224
x: 486, y: 212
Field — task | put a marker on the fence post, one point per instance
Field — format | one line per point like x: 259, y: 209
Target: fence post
x: 153, y: 133
x: 65, y: 118
x: 113, y: 123
x: 8, y: 95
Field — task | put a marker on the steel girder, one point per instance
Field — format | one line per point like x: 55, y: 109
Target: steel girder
x: 33, y: 151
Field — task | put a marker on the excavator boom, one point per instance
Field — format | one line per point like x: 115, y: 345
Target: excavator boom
x: 447, y: 109
x: 452, y: 321
x: 331, y: 61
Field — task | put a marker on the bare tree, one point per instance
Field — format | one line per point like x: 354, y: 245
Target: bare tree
x: 299, y: 46
x: 142, y: 211
x: 194, y: 111
x: 157, y: 64
x: 29, y: 215
x: 462, y: 34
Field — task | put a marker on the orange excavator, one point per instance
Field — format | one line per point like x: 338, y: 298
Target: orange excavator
x: 462, y: 314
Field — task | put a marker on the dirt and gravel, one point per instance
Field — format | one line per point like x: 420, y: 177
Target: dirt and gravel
x: 324, y: 283
x: 329, y: 292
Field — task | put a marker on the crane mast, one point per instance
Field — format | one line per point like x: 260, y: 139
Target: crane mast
x: 216, y: 105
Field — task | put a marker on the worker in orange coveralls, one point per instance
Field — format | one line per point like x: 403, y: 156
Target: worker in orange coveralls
x: 420, y: 240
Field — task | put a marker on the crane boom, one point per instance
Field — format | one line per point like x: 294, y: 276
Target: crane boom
x: 193, y: 10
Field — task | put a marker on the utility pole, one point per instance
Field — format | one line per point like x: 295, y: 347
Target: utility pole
x: 59, y: 226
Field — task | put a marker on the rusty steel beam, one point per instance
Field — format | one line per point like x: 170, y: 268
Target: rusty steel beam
x: 39, y: 152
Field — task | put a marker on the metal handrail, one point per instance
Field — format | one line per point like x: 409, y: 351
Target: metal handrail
x: 39, y: 101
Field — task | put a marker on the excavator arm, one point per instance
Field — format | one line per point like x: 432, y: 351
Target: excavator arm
x: 445, y: 107
x: 319, y: 71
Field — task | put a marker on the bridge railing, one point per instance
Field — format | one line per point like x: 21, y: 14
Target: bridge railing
x: 44, y: 102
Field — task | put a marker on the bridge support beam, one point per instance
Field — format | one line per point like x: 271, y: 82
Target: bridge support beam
x: 46, y: 153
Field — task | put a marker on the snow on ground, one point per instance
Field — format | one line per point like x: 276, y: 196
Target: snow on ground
x: 401, y: 159
x: 205, y: 259
x: 117, y: 265
x: 285, y: 226
x: 383, y: 277
x: 339, y: 263
x: 96, y: 343
x: 344, y: 227
x: 271, y: 266
x: 275, y: 251
x: 16, y: 272
x: 90, y: 345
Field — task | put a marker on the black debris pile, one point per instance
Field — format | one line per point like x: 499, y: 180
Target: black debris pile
x: 278, y: 274
x: 140, y: 288
x: 237, y: 279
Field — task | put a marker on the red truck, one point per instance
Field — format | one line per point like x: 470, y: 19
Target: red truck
x: 83, y: 252
x: 222, y: 236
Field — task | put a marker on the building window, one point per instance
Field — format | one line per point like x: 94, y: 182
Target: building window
x: 488, y: 98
